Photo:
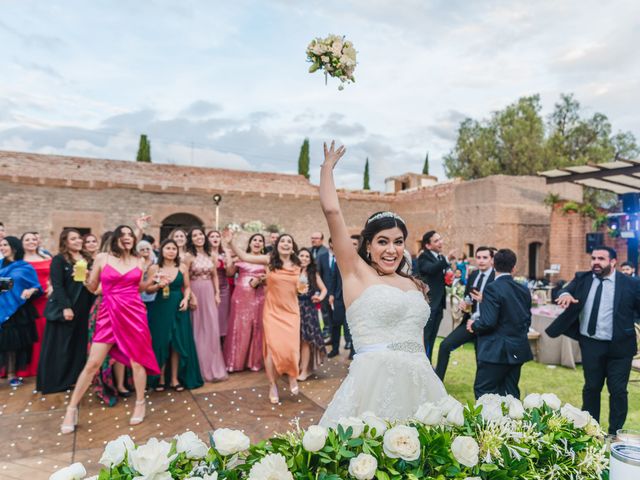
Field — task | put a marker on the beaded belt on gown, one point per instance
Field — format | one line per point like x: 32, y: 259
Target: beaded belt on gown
x: 408, y: 346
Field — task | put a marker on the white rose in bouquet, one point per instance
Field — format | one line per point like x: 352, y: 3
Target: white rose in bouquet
x: 314, y: 438
x: 552, y: 400
x: 152, y: 460
x: 363, y: 467
x: 490, y: 399
x: 271, y: 467
x: 465, y: 450
x: 403, y: 442
x: 75, y: 471
x: 228, y: 442
x: 429, y: 414
x: 116, y: 450
x: 445, y: 404
x: 356, y: 424
x: 456, y: 415
x: 492, y: 412
x: 373, y: 421
x: 191, y: 445
x: 579, y: 418
x: 516, y: 409
x: 533, y: 400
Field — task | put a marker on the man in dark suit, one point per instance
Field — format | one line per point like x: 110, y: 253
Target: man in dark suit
x: 432, y: 266
x: 601, y: 306
x: 325, y: 262
x: 339, y: 316
x: 502, y: 324
x: 477, y: 282
x: 317, y: 247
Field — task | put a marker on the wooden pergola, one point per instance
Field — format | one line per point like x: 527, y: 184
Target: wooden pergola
x: 619, y: 176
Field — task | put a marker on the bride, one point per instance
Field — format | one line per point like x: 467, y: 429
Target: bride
x: 390, y: 375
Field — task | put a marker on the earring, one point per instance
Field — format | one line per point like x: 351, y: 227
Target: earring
x: 369, y: 256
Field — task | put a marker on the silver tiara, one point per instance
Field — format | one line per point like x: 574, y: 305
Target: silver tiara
x: 380, y: 215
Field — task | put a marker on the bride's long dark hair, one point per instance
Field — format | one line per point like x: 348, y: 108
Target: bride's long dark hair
x: 384, y: 221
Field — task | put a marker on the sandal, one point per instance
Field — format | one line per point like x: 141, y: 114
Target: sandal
x: 178, y: 387
x: 160, y: 388
x: 138, y: 420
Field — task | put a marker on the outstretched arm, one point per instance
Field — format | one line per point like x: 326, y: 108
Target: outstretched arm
x: 228, y: 238
x: 346, y: 256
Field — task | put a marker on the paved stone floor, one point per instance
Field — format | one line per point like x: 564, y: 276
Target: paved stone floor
x: 31, y: 446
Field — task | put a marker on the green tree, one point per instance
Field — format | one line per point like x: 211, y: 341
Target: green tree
x: 144, y: 150
x: 303, y: 159
x: 425, y: 168
x: 366, y: 176
x: 518, y: 141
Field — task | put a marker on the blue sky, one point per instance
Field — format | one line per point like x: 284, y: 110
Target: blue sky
x: 221, y: 83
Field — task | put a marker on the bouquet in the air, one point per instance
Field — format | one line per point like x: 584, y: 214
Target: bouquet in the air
x: 335, y: 55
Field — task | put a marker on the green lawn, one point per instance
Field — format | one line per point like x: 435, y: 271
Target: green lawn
x: 538, y: 378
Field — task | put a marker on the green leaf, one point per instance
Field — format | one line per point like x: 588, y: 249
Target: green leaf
x: 380, y: 475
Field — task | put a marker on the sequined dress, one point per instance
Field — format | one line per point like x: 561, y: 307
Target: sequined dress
x: 390, y: 374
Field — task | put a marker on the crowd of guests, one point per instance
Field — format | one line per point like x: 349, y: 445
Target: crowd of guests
x: 124, y: 314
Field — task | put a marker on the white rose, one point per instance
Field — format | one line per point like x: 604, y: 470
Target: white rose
x: 314, y: 438
x: 356, y: 424
x: 228, y: 442
x: 374, y: 422
x: 116, y: 450
x: 552, y: 400
x: 403, y: 442
x: 190, y: 444
x: 579, y: 418
x: 492, y: 412
x: 429, y: 414
x: 75, y: 471
x: 456, y: 415
x: 152, y: 460
x: 271, y: 467
x: 516, y: 410
x: 533, y: 400
x: 445, y: 404
x: 363, y: 467
x: 465, y: 450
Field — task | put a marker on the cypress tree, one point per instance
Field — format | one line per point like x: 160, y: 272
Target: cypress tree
x: 425, y: 168
x: 303, y: 159
x: 144, y: 150
x: 366, y: 176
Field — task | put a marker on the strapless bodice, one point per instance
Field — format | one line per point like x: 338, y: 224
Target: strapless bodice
x: 116, y: 283
x: 384, y: 314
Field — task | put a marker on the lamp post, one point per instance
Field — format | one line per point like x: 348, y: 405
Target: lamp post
x: 217, y: 198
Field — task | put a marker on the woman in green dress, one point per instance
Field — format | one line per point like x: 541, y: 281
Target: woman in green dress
x: 169, y: 322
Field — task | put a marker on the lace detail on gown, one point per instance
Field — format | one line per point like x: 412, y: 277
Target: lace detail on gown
x: 390, y: 374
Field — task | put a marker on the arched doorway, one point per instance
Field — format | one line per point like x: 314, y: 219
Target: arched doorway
x: 178, y: 220
x: 534, y: 260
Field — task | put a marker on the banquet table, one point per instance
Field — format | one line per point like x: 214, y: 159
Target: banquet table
x: 563, y: 350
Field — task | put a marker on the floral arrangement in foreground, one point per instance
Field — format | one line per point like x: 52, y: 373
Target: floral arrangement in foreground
x: 497, y: 438
x: 335, y: 55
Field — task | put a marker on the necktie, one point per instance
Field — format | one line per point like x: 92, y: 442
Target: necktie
x: 332, y: 262
x: 480, y: 280
x: 595, y: 308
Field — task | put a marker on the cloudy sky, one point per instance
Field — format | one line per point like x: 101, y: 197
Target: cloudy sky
x: 225, y: 83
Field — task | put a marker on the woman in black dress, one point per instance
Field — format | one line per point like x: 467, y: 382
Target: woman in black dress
x: 311, y: 291
x: 64, y: 347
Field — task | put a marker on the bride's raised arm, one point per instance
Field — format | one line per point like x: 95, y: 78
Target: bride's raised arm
x: 346, y: 255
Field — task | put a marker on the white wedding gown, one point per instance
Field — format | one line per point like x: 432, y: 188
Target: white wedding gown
x: 390, y: 375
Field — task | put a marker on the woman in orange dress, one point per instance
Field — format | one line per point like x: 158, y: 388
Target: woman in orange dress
x: 281, y: 313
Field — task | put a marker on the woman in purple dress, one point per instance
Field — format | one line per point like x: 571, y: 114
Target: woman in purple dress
x: 201, y: 262
x: 225, y: 269
x: 243, y: 345
x: 122, y: 330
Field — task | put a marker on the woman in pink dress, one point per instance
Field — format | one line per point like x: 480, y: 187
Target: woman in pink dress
x: 225, y: 268
x: 121, y: 329
x: 243, y: 345
x: 202, y: 265
x: 41, y: 262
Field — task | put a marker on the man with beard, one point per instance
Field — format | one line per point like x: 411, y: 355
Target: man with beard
x: 601, y: 306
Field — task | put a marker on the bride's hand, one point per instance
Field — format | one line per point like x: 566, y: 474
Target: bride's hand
x: 333, y: 155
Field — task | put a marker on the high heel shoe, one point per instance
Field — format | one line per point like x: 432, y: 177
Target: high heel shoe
x: 66, y: 428
x: 293, y: 387
x: 273, y: 395
x: 138, y: 420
